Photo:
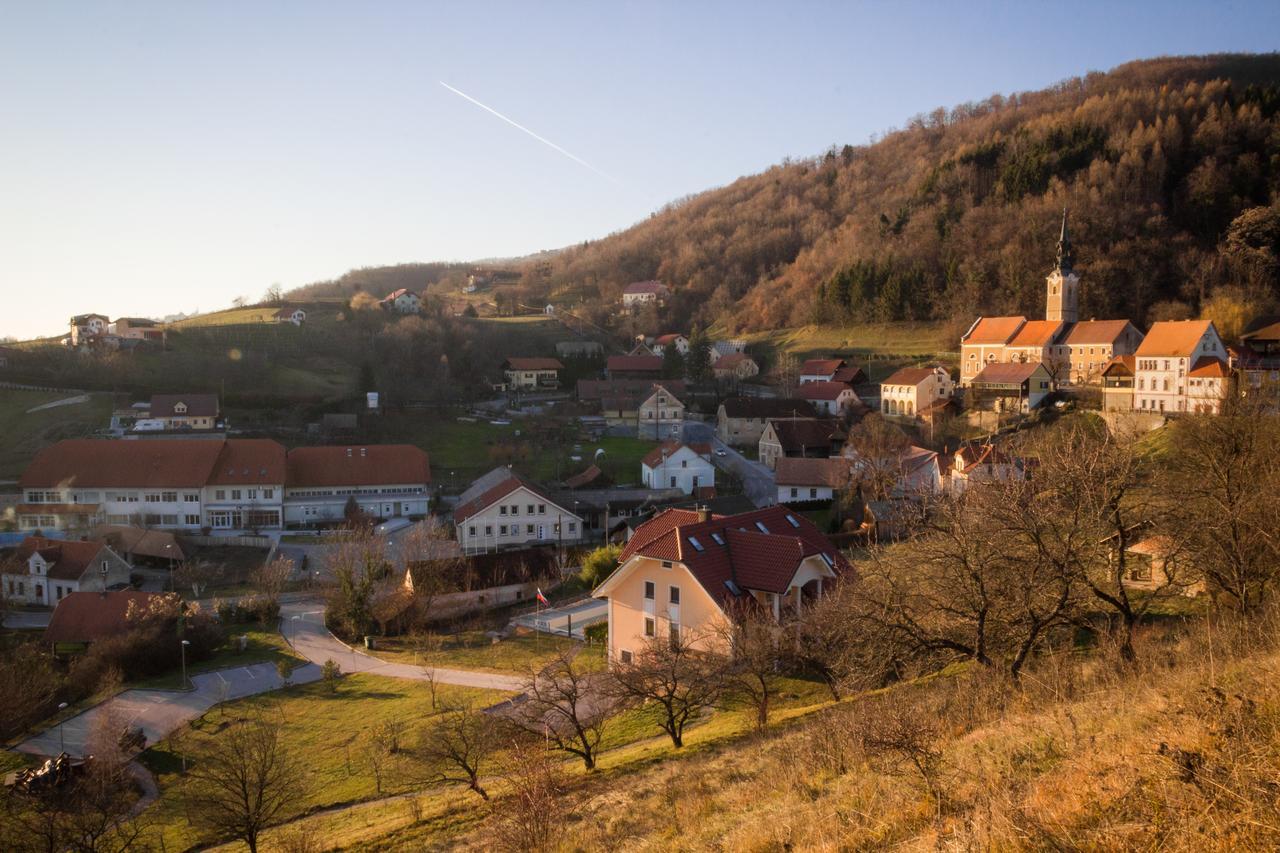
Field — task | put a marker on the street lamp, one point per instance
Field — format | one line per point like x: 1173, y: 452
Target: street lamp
x: 295, y: 627
x: 183, y: 647
x: 62, y: 738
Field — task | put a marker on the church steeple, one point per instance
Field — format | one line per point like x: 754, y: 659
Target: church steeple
x: 1065, y: 257
x: 1062, y: 287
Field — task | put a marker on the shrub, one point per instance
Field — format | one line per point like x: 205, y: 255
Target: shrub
x: 330, y: 672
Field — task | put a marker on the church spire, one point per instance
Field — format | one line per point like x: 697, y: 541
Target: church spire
x: 1065, y: 257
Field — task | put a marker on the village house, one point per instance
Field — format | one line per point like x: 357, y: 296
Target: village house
x: 1009, y: 388
x: 85, y: 327
x: 740, y: 421
x: 829, y: 398
x: 983, y: 463
x: 674, y: 465
x: 986, y: 343
x: 1181, y: 367
x: 1090, y: 345
x: 820, y: 369
x: 674, y: 339
x: 735, y: 367
x: 1117, y: 383
x: 727, y: 346
x: 1256, y: 360
x: 137, y: 329
x: 1152, y: 564
x: 402, y: 302
x: 185, y: 412
x: 686, y: 573
x: 644, y: 292
x: 380, y: 480
x: 911, y: 390
x: 1038, y: 341
x: 633, y: 367
x: 660, y: 414
x: 503, y: 510
x: 815, y: 438
x: 82, y: 618
x: 290, y: 314
x: 803, y: 480
x: 532, y: 374
x: 42, y: 572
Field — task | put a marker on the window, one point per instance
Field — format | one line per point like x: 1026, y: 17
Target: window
x: 697, y: 546
x: 813, y: 493
x: 573, y: 527
x: 515, y: 509
x: 674, y: 629
x: 502, y: 510
x: 169, y: 519
x: 59, y: 591
x: 471, y: 531
x: 674, y: 593
x: 169, y: 497
x: 191, y: 498
x: 625, y: 655
x: 795, y: 492
x: 191, y: 520
x: 253, y: 494
x: 268, y: 494
x: 528, y: 529
x: 502, y: 530
x: 760, y: 526
x: 153, y: 497
x: 648, y: 590
x: 529, y: 509
x: 220, y: 495
x: 235, y: 494
x: 542, y: 509
x: 488, y: 530
x: 649, y: 626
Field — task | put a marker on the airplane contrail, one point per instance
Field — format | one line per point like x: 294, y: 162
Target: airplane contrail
x: 541, y: 139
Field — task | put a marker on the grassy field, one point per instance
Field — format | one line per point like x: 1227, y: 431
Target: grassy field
x: 25, y: 432
x: 517, y: 655
x: 872, y: 338
x: 460, y: 451
x: 327, y: 731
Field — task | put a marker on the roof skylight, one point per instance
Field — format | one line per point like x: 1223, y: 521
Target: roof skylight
x: 697, y: 546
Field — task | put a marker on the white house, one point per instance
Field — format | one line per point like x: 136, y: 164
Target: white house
x: 85, y: 326
x: 799, y: 480
x: 532, y: 374
x: 679, y: 341
x: 295, y: 315
x: 1181, y: 367
x: 44, y: 571
x: 503, y: 510
x: 641, y: 292
x: 983, y: 463
x: 383, y: 480
x: 911, y: 390
x: 660, y: 414
x: 402, y: 302
x: 673, y: 465
x: 828, y: 398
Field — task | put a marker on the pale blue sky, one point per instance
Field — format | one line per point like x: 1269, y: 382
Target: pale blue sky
x: 163, y: 157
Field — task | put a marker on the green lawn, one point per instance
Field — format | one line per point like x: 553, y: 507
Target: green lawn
x: 517, y: 655
x: 265, y: 645
x: 878, y: 338
x: 27, y: 432
x: 327, y: 732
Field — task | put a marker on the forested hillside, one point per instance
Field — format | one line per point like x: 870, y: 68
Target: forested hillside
x: 1170, y: 168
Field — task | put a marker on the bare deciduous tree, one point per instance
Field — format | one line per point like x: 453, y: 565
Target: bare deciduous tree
x: 197, y: 574
x: 459, y: 746
x: 752, y: 674
x: 562, y: 705
x: 270, y: 579
x: 675, y: 675
x: 244, y: 781
x: 529, y: 818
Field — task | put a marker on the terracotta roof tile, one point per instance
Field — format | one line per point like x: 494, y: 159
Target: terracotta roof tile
x: 1037, y: 333
x: 799, y: 471
x: 993, y: 330
x: 1002, y: 374
x: 1173, y: 338
x: 640, y: 287
x: 1097, y: 332
x: 634, y: 363
x: 821, y: 366
x: 1208, y: 367
x: 825, y: 391
x: 911, y: 376
x: 358, y: 465
x: 67, y: 558
x: 97, y: 463
x: 84, y: 617
x: 800, y: 433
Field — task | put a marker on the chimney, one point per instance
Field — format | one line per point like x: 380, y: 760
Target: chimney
x: 704, y: 514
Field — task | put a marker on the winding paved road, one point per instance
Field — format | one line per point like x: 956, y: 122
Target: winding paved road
x: 757, y: 479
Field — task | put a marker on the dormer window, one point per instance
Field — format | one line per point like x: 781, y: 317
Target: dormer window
x: 180, y: 408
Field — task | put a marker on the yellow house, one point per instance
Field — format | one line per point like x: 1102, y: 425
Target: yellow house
x: 686, y: 570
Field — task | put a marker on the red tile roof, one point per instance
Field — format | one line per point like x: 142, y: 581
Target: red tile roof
x: 1013, y: 373
x: 795, y: 435
x: 654, y: 457
x: 730, y: 361
x: 1120, y: 365
x: 909, y: 376
x: 668, y: 338
x: 249, y: 461
x: 83, y: 617
x: 761, y: 549
x: 533, y: 364
x: 1097, y: 332
x: 1208, y: 367
x: 1173, y: 338
x: 849, y: 375
x: 993, y: 330
x: 496, y: 493
x: 358, y: 465
x: 822, y: 390
x: 798, y: 471
x: 972, y: 455
x: 1037, y: 333
x: 96, y: 463
x: 821, y: 366
x: 634, y: 363
x: 67, y: 559
x: 598, y: 389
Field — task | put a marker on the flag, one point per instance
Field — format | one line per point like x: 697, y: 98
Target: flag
x: 542, y: 598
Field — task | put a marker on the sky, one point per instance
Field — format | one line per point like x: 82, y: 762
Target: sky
x: 168, y: 157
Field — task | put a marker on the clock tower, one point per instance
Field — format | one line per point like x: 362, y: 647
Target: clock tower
x: 1062, y: 285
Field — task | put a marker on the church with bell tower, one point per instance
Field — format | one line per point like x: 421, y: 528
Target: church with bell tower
x: 1063, y: 285
x: 1073, y: 352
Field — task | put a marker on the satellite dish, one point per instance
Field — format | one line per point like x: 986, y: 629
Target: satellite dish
x: 599, y: 453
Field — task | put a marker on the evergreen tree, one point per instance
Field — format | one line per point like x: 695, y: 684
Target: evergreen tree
x: 698, y: 362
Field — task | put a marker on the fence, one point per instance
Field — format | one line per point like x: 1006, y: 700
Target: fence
x: 242, y: 541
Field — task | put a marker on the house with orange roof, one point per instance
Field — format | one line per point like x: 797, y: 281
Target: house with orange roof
x: 829, y: 398
x: 672, y: 339
x: 986, y: 342
x: 1181, y: 366
x: 383, y: 480
x: 1117, y: 383
x: 911, y: 390
x: 821, y: 369
x: 1089, y: 346
x: 685, y: 574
